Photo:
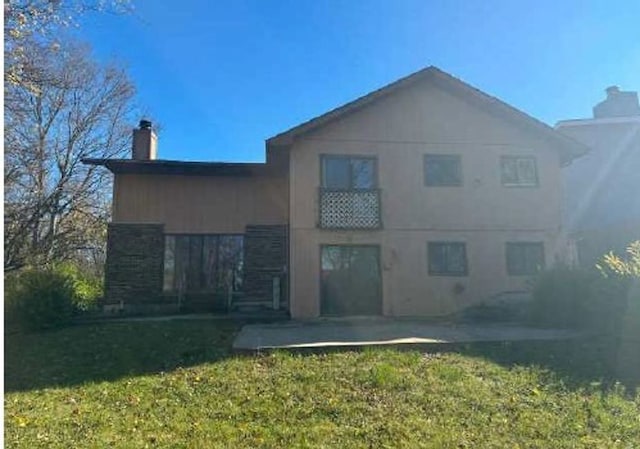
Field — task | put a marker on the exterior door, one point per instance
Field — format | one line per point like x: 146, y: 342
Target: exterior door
x: 350, y: 280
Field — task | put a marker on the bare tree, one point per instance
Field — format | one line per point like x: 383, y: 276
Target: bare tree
x: 56, y: 207
x: 26, y: 21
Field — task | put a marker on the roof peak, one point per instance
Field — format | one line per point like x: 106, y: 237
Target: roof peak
x: 444, y: 80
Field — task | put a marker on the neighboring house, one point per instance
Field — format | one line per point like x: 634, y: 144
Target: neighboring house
x: 419, y: 199
x: 602, y: 188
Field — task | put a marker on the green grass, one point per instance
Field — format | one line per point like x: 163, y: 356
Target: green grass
x: 175, y: 384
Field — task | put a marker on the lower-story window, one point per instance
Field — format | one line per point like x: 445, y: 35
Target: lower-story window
x: 447, y: 258
x: 525, y: 258
x: 203, y: 263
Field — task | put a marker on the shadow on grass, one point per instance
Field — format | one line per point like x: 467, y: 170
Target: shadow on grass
x: 109, y: 351
x: 579, y: 362
x: 611, y: 357
x: 584, y: 362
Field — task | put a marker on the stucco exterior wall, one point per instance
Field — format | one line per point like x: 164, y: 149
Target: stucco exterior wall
x: 399, y: 130
x: 200, y: 204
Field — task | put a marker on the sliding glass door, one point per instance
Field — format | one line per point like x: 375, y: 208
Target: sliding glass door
x: 350, y: 280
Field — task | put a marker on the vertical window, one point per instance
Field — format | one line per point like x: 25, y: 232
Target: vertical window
x: 169, y: 262
x: 209, y: 261
x: 230, y: 262
x: 194, y: 272
x: 182, y: 263
x: 525, y: 258
x: 348, y: 173
x: 447, y: 258
x: 203, y: 263
x: 442, y: 170
x: 519, y: 171
x: 336, y: 173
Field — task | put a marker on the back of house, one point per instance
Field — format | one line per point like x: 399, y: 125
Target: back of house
x: 422, y: 198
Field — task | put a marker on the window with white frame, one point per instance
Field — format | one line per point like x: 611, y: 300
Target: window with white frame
x: 519, y: 171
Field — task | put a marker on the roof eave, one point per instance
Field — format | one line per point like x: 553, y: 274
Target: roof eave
x: 163, y: 167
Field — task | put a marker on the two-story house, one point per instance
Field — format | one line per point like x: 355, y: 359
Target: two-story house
x: 419, y: 199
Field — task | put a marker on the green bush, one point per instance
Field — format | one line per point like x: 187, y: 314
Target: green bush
x: 563, y: 297
x: 87, y: 288
x: 625, y: 272
x: 40, y: 298
x: 599, y: 299
x: 627, y: 266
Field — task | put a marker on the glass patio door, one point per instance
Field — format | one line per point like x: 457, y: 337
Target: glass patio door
x: 350, y: 280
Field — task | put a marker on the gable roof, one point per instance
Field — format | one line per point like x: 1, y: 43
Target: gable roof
x: 570, y: 148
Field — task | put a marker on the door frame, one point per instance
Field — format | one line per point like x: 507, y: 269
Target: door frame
x: 380, y: 284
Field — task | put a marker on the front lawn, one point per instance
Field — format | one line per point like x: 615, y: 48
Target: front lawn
x: 175, y: 384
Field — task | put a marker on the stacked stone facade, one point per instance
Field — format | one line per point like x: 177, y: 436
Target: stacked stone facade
x: 265, y: 257
x: 134, y: 266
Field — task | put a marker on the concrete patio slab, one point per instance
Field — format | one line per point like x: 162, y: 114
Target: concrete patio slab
x: 355, y: 333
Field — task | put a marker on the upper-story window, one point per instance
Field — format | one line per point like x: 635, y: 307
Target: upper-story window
x: 519, y: 171
x: 349, y: 197
x: 348, y: 172
x: 442, y: 170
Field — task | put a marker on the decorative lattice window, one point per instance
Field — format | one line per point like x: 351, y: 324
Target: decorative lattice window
x: 350, y: 209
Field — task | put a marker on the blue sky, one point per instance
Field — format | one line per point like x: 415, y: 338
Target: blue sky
x: 221, y: 77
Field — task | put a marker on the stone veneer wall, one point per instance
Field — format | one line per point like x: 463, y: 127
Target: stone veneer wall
x: 134, y: 266
x: 265, y: 257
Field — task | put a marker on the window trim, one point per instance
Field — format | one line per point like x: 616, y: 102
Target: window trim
x: 464, y: 273
x: 521, y: 243
x: 457, y: 156
x: 536, y: 183
x: 348, y: 157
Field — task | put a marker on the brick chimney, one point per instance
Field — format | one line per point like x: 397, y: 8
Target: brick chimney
x: 145, y: 142
x: 617, y: 104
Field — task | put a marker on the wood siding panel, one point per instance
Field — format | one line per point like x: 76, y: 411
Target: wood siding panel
x: 198, y: 204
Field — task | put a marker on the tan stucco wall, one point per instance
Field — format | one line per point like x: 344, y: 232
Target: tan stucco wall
x: 200, y: 204
x: 399, y: 130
